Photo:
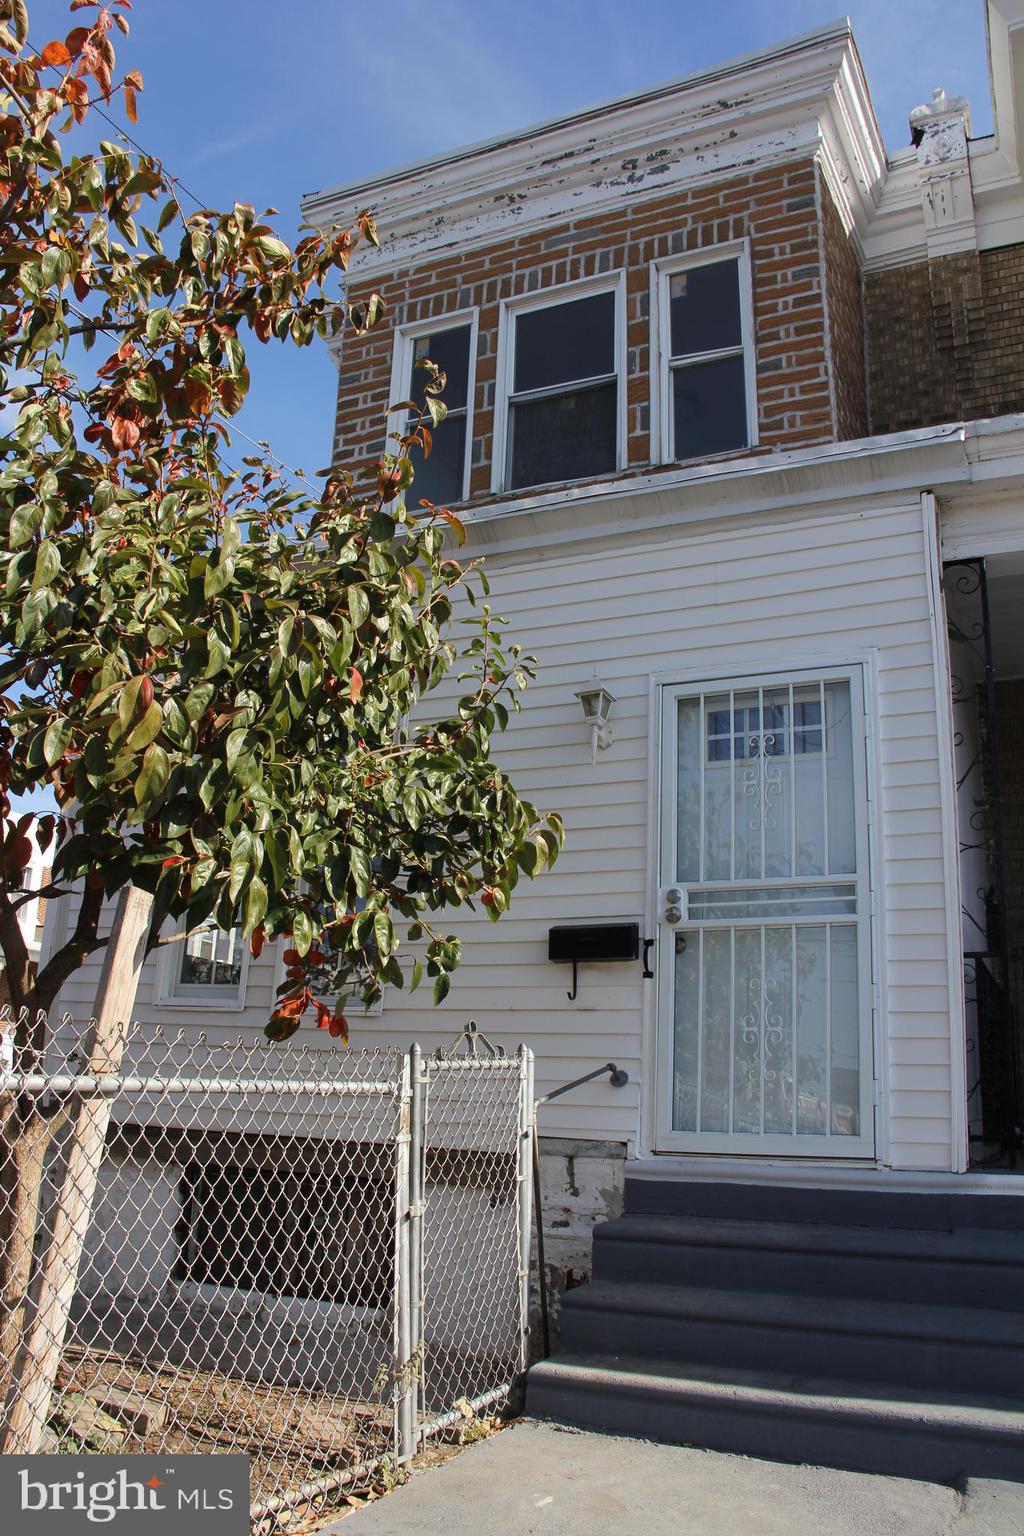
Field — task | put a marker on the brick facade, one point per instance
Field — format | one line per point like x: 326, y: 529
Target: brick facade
x: 776, y: 209
x: 845, y: 302
x: 944, y: 339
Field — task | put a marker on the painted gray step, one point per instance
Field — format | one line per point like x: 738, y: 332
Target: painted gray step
x: 781, y: 1417
x: 973, y: 1267
x: 905, y: 1344
x: 729, y: 1201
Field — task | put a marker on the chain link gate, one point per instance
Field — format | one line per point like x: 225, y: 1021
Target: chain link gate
x: 313, y: 1258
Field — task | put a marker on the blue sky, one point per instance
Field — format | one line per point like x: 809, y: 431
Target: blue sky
x: 260, y: 102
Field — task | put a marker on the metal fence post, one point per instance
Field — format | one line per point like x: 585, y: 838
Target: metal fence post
x: 420, y: 1080
x: 527, y: 1132
x: 404, y: 1386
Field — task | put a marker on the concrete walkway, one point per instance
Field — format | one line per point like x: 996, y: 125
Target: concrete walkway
x: 539, y: 1480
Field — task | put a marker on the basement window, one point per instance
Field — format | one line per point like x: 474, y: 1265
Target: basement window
x: 705, y: 323
x: 442, y: 477
x: 319, y: 1232
x: 206, y: 969
x: 562, y: 388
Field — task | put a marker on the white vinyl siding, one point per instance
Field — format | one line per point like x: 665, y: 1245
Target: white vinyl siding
x: 764, y: 592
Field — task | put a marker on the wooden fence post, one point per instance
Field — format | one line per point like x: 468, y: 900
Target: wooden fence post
x: 41, y: 1349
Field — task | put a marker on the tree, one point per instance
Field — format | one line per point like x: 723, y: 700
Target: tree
x: 220, y: 670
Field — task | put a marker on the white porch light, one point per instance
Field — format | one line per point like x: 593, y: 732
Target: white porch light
x: 596, y: 703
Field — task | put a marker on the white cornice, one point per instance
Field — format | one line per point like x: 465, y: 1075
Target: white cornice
x: 764, y: 109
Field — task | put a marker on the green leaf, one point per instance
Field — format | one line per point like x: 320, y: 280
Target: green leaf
x: 47, y: 566
x: 152, y: 781
x: 255, y: 905
x: 25, y: 521
x: 147, y: 729
x: 360, y: 866
x: 442, y: 986
x: 383, y: 933
x: 58, y: 734
x: 302, y: 932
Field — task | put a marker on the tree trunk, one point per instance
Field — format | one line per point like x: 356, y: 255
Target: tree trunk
x: 42, y: 1341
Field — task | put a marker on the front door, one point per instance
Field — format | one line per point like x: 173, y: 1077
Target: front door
x: 765, y: 997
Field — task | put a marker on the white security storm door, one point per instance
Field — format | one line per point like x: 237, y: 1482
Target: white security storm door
x: 764, y: 919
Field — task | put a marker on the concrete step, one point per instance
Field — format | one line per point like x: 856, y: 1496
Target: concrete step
x: 727, y: 1200
x: 782, y: 1417
x: 905, y: 1345
x: 973, y: 1267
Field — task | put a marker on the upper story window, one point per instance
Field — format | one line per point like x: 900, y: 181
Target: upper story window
x: 559, y: 416
x: 206, y: 969
x: 707, y: 384
x: 450, y: 343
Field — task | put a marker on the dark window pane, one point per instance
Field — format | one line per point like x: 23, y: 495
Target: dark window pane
x: 710, y: 408
x: 450, y: 351
x: 440, y: 478
x: 704, y: 306
x: 564, y: 437
x: 562, y: 342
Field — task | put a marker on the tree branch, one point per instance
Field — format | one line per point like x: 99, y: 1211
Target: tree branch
x: 82, y: 943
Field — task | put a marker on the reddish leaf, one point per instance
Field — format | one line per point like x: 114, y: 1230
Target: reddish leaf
x: 55, y: 54
x: 130, y: 105
x: 125, y: 433
x: 355, y: 684
x: 338, y: 1028
x: 177, y: 858
x: 291, y: 957
x: 257, y: 940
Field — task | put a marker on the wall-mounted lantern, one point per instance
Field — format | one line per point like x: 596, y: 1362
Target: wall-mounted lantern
x: 596, y: 703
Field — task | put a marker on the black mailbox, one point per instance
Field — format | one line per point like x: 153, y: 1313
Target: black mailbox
x: 593, y: 941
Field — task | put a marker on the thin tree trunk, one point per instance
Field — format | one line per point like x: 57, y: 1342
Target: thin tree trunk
x: 35, y: 1370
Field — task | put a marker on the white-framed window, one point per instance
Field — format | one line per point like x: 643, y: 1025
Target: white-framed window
x: 208, y: 969
x: 450, y: 342
x: 560, y: 407
x: 703, y: 344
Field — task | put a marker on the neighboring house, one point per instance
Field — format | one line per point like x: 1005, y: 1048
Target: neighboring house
x: 734, y: 417
x: 32, y: 913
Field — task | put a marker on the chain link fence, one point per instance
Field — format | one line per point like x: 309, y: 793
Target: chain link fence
x: 313, y: 1258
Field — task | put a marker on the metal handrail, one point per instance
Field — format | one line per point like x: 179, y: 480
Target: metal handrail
x: 618, y: 1078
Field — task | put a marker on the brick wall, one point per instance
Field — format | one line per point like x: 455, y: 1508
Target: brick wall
x: 845, y: 304
x: 943, y: 339
x: 776, y: 209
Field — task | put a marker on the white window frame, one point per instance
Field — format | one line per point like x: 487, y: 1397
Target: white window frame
x: 662, y: 446
x: 867, y: 1146
x: 170, y: 992
x: 406, y: 337
x: 508, y: 313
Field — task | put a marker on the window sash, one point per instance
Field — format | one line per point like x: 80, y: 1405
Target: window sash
x: 507, y: 396
x: 668, y: 363
x: 402, y: 364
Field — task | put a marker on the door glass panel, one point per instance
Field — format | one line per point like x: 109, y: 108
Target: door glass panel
x: 844, y: 1033
x: 717, y: 1011
x: 687, y: 992
x: 812, y: 1032
x: 767, y: 1008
